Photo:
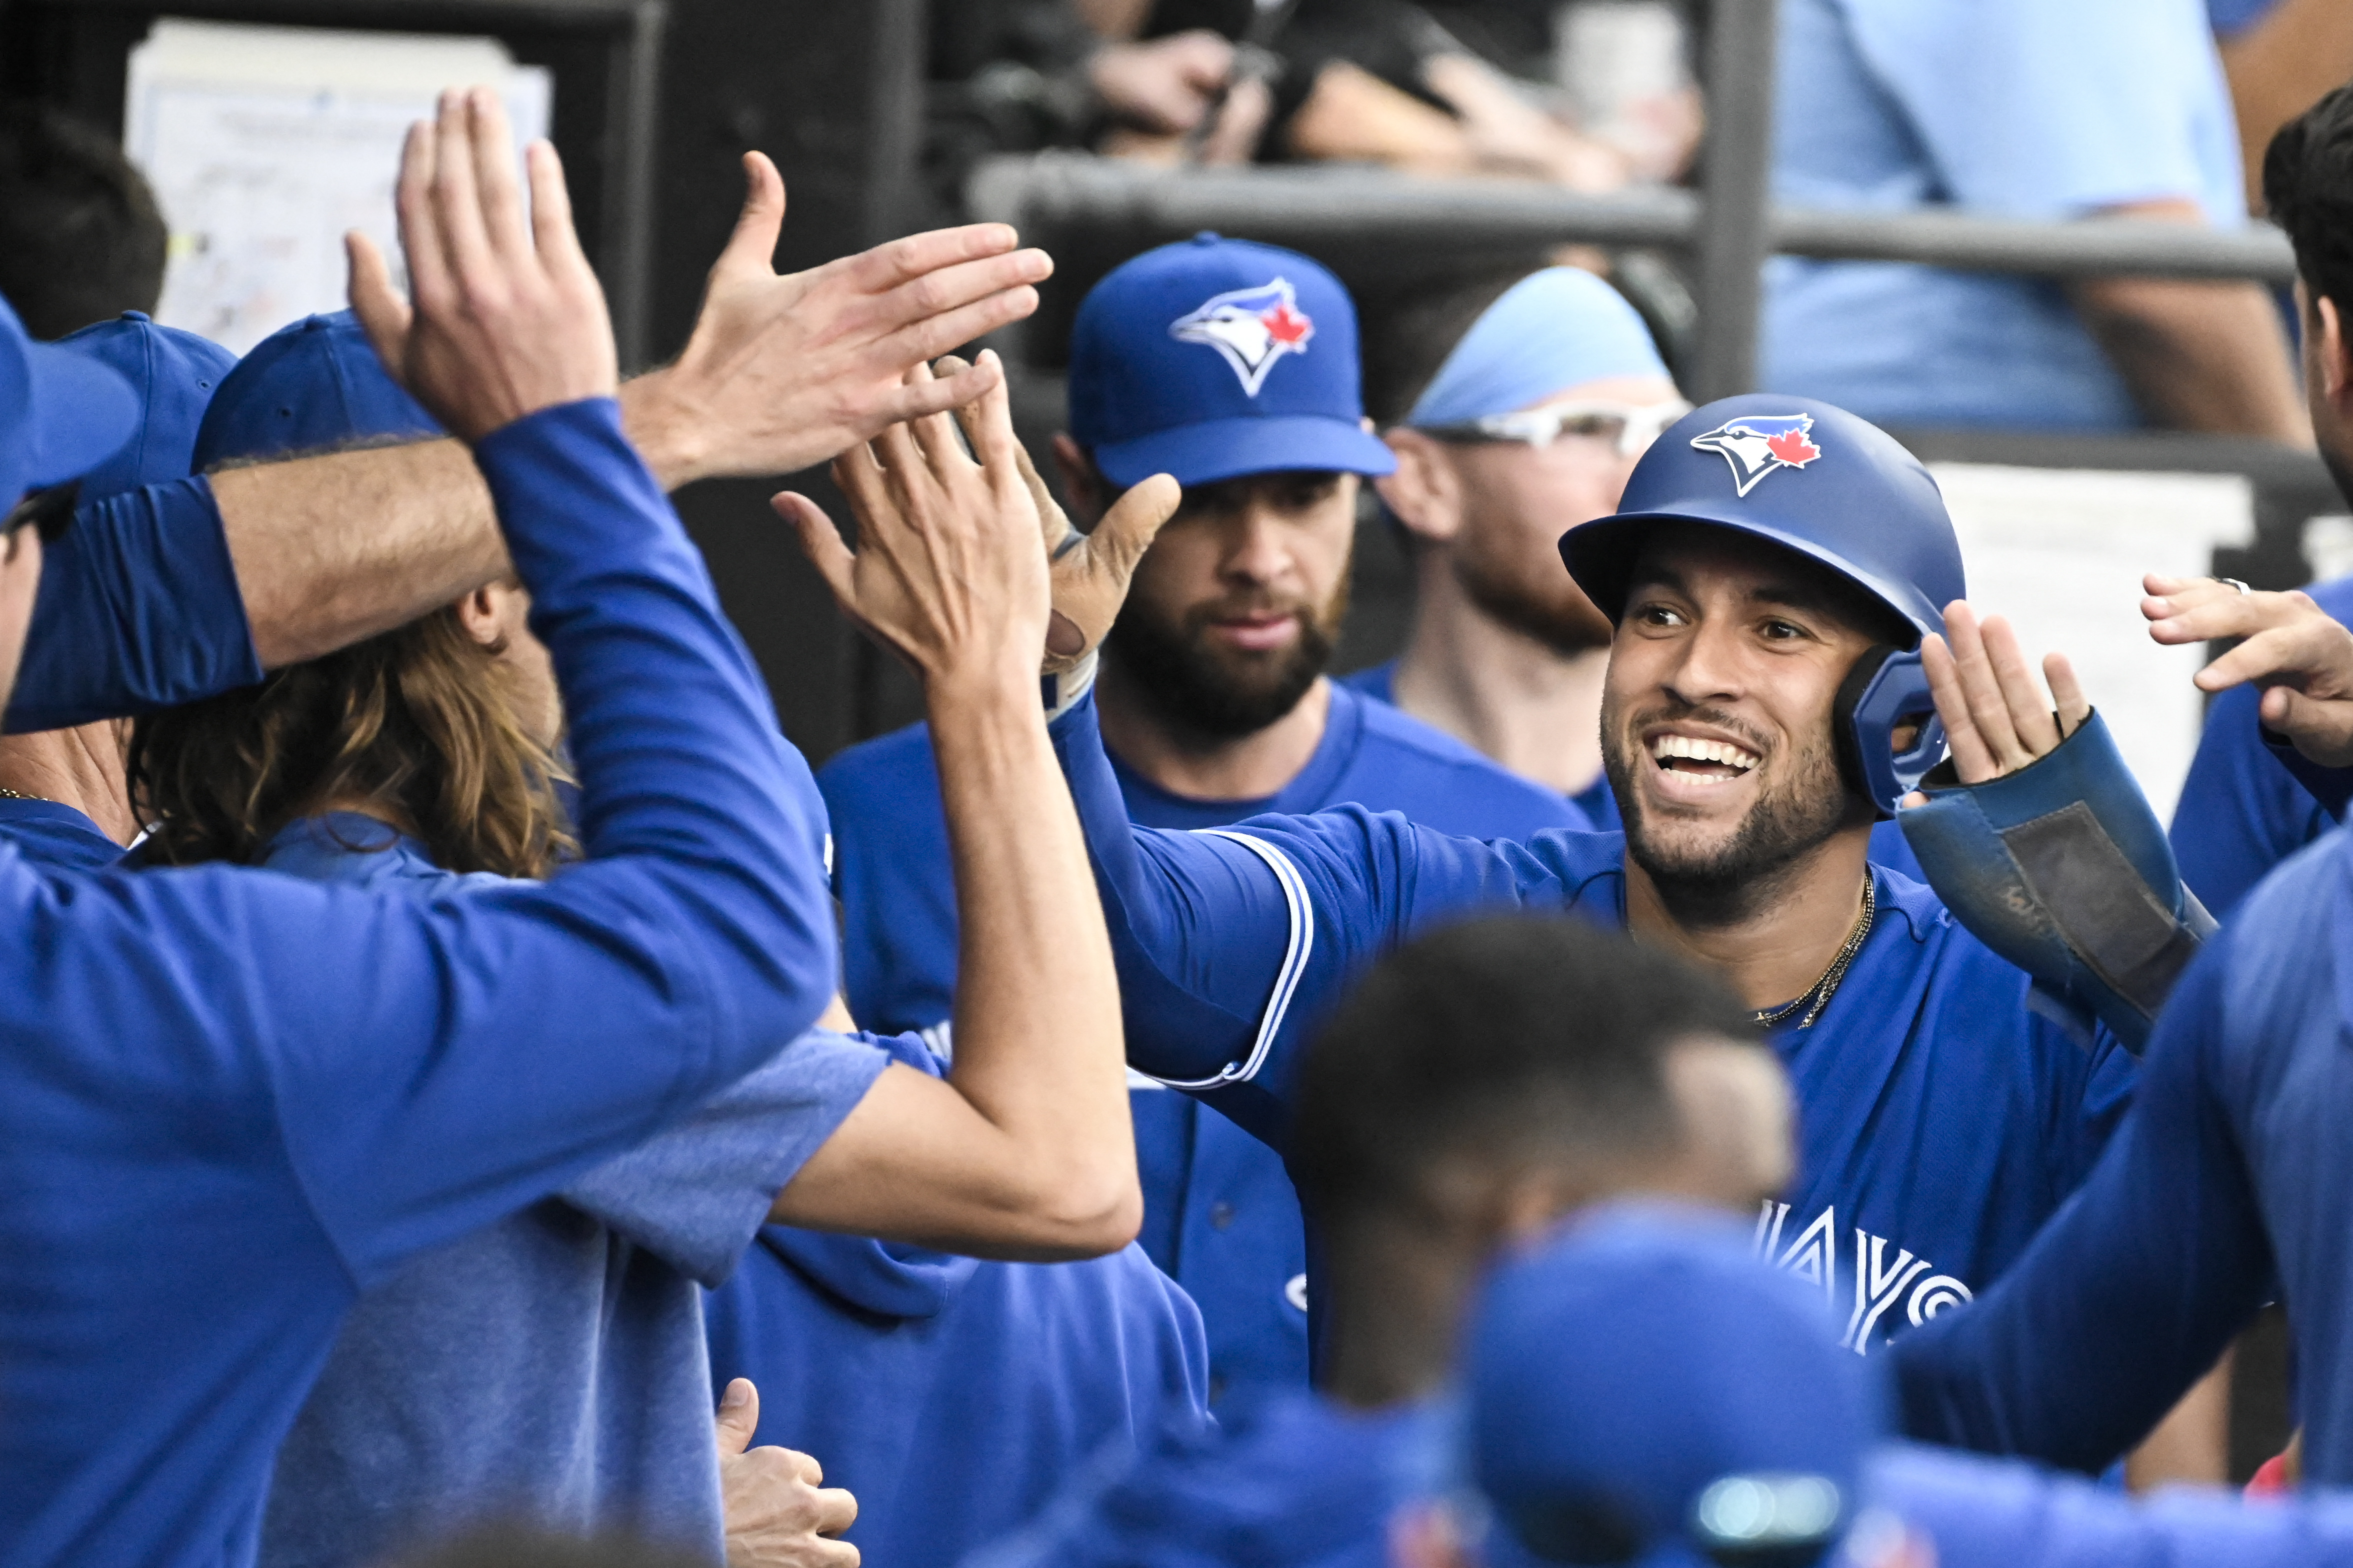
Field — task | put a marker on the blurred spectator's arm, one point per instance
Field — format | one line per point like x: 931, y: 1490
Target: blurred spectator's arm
x: 2280, y: 67
x: 2196, y: 356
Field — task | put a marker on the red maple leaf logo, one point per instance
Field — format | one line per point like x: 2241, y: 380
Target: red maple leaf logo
x: 1287, y: 325
x: 1792, y: 447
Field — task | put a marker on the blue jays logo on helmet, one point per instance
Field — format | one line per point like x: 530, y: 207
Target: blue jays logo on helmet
x: 1756, y: 444
x: 1252, y: 328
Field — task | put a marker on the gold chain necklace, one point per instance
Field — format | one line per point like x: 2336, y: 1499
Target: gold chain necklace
x: 1820, y: 992
x: 7, y: 793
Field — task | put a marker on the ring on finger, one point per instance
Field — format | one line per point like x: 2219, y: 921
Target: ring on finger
x: 2234, y: 582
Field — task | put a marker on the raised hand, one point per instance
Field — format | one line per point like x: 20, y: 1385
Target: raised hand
x: 950, y: 570
x: 1090, y: 571
x: 508, y: 316
x: 2292, y: 647
x: 1997, y: 718
x: 779, y: 1512
x: 784, y: 371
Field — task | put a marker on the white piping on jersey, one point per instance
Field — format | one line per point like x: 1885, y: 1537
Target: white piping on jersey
x: 940, y: 1038
x: 1286, y: 979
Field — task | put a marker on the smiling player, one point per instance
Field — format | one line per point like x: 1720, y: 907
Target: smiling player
x: 1761, y: 681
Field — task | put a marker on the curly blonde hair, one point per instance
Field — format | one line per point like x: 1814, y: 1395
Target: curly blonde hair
x: 416, y: 723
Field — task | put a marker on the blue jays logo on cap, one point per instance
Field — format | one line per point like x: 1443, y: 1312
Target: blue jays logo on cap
x: 1252, y: 328
x: 1759, y: 444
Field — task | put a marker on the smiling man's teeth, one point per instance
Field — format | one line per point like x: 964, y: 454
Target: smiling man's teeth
x: 1699, y: 750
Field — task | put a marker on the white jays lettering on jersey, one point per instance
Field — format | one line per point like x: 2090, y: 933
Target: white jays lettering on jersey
x: 1880, y: 1272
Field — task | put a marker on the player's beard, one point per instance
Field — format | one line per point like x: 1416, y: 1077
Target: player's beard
x: 1803, y: 802
x: 1220, y: 693
x: 1563, y: 620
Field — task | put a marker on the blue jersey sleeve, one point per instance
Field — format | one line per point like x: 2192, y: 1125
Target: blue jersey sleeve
x: 2240, y: 812
x: 697, y: 1192
x: 426, y: 1065
x: 2130, y: 1292
x: 1232, y: 943
x: 139, y: 609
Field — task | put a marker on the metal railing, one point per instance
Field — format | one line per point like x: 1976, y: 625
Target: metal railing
x: 1728, y: 227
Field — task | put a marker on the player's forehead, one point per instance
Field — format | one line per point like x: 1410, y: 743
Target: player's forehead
x: 1277, y: 487
x: 1694, y: 560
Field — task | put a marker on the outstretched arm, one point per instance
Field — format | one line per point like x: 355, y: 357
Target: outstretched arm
x: 182, y: 590
x: 1025, y: 1150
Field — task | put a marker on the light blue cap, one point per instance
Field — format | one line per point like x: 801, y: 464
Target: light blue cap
x: 1551, y: 331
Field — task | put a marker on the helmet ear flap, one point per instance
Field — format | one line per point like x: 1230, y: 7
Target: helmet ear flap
x: 1885, y: 691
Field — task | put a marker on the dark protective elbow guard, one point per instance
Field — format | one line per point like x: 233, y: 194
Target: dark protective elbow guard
x: 2063, y: 868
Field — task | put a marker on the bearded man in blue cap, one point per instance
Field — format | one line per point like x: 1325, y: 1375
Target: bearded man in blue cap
x: 1234, y: 368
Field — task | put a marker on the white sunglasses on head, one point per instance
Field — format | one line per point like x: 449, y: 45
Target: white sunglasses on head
x: 1626, y: 428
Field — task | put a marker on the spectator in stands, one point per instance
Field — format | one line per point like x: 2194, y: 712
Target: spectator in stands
x: 1233, y: 367
x: 2281, y: 56
x: 63, y: 796
x: 81, y: 239
x: 1477, y: 1084
x: 2018, y: 108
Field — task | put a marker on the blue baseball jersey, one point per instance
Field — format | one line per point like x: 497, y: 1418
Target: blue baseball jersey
x: 1941, y: 1121
x: 952, y: 1395
x: 2224, y: 1190
x: 1888, y: 845
x: 1285, y: 1477
x: 233, y: 1101
x: 1219, y: 1214
x: 2011, y: 108
x: 2241, y: 812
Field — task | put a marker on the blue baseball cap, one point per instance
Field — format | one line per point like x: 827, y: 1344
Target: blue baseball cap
x: 308, y: 387
x: 61, y: 414
x: 1215, y: 357
x: 174, y: 374
x: 1643, y: 1389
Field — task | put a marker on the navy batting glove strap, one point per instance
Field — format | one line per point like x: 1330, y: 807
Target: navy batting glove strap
x: 2063, y: 868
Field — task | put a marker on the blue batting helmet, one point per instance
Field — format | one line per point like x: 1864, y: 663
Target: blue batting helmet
x: 1839, y: 490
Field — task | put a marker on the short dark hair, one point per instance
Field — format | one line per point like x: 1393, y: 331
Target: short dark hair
x: 81, y: 239
x: 2308, y: 188
x: 1506, y: 1034
x: 1417, y: 332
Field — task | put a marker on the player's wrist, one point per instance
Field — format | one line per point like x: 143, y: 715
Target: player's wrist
x: 664, y: 429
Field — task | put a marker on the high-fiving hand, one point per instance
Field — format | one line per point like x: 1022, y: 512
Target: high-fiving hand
x: 786, y: 371
x: 2294, y: 649
x: 950, y: 570
x: 1090, y: 571
x: 508, y: 316
x: 1997, y: 718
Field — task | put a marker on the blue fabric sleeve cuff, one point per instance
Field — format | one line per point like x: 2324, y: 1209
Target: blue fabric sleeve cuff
x: 139, y: 609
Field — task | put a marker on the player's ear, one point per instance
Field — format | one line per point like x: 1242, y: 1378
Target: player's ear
x: 1089, y: 496
x: 1425, y: 493
x: 2331, y: 349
